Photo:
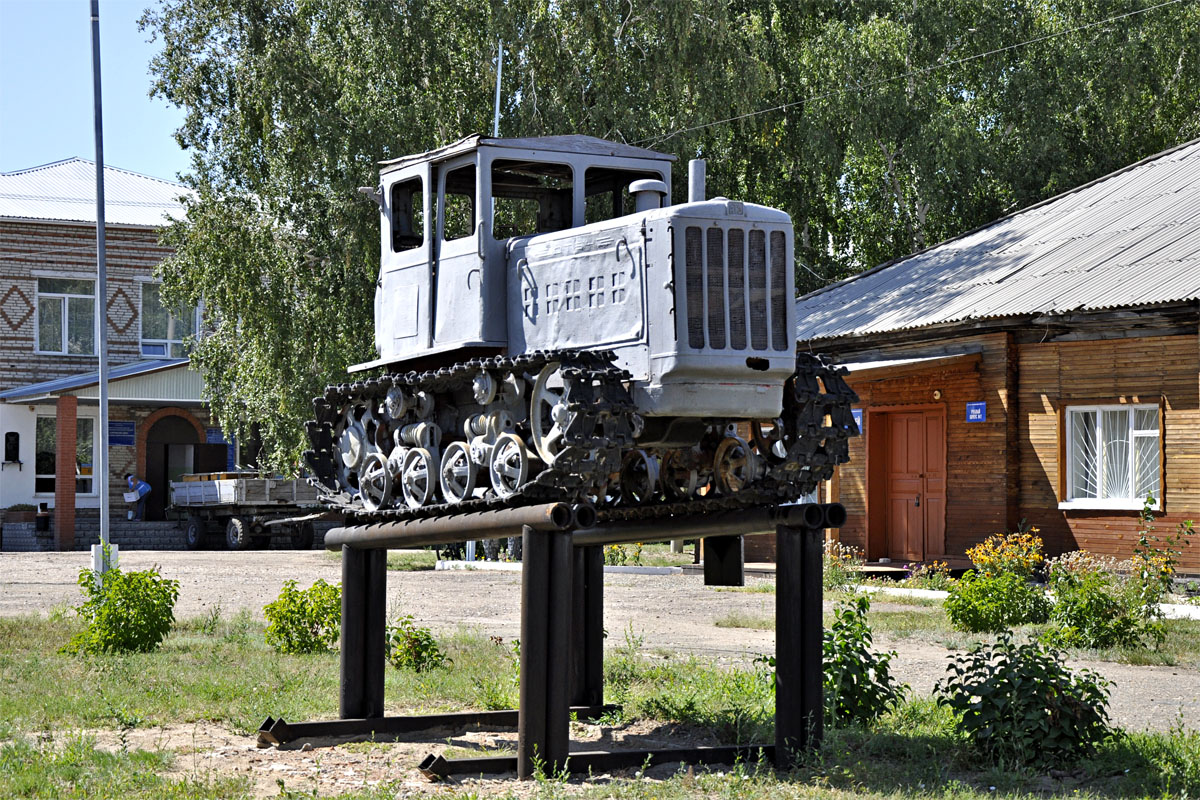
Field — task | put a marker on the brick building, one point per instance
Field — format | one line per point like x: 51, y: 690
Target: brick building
x: 1044, y: 368
x: 49, y: 344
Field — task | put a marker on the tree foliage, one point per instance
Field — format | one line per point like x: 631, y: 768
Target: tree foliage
x: 887, y: 140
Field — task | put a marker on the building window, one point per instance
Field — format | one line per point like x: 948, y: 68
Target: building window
x: 1113, y: 457
x: 46, y: 455
x: 164, y: 330
x: 66, y: 314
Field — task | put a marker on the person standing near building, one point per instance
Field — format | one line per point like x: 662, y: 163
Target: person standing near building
x: 142, y: 488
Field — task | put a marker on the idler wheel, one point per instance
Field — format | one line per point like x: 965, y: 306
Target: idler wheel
x: 375, y: 482
x: 639, y: 477
x: 457, y: 473
x: 509, y: 466
x: 417, y: 477
x: 733, y: 465
x: 679, y: 480
x: 548, y: 415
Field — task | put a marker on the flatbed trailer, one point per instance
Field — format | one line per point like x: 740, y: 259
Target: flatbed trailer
x: 246, y: 508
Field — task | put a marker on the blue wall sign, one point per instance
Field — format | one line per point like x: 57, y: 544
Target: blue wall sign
x: 122, y: 433
x: 216, y: 436
x: 857, y: 412
x: 976, y: 412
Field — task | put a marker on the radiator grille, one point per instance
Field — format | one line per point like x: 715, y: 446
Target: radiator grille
x: 716, y: 288
x: 695, y: 289
x: 737, y: 289
x: 779, y: 332
x: 758, y: 290
x: 731, y: 286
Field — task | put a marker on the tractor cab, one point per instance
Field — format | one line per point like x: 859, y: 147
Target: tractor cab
x: 450, y: 215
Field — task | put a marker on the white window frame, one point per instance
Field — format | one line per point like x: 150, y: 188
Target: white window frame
x: 95, y: 446
x: 1111, y: 503
x: 143, y: 341
x: 63, y: 297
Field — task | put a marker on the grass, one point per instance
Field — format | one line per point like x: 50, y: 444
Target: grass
x: 412, y: 561
x: 754, y: 588
x: 228, y: 676
x: 746, y: 619
x: 220, y: 670
x: 660, y: 555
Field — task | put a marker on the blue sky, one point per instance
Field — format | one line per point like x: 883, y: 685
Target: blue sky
x: 46, y: 88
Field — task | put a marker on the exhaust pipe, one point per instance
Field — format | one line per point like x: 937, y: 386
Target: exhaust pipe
x: 696, y: 168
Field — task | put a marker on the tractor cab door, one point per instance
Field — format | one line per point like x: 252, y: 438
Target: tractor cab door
x: 403, y: 299
x: 458, y: 256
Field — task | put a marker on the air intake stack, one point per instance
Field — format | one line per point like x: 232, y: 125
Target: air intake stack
x: 696, y: 180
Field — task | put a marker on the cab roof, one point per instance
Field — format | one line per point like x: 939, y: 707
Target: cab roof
x: 576, y: 144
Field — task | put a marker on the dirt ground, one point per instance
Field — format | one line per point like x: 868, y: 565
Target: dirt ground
x: 672, y: 612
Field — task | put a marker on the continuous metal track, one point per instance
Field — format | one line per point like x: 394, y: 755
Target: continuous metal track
x: 394, y: 422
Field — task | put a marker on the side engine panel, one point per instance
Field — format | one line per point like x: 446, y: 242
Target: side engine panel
x: 584, y: 288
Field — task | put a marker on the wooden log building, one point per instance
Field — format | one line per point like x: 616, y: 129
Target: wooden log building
x: 1044, y: 368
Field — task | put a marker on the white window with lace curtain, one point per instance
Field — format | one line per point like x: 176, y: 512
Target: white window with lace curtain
x: 1113, y: 456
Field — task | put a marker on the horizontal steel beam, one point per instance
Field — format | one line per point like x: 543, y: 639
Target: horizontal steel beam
x: 278, y: 732
x: 698, y: 526
x: 499, y: 523
x: 596, y: 761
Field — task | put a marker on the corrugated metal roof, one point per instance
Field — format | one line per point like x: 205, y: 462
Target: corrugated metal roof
x: 576, y: 143
x: 1128, y: 239
x: 74, y: 382
x: 66, y: 191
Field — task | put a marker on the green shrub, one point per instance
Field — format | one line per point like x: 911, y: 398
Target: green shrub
x: 126, y: 611
x: 858, y: 683
x: 412, y: 647
x: 1021, y: 703
x: 1095, y: 605
x: 304, y: 620
x: 993, y: 603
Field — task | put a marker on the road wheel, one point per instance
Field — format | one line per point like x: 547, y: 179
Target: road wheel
x: 237, y: 533
x: 303, y: 535
x: 193, y: 532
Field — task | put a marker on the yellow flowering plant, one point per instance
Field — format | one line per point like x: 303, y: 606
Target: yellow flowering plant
x: 1017, y: 553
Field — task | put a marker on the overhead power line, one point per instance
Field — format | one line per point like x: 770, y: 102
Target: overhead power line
x: 909, y: 74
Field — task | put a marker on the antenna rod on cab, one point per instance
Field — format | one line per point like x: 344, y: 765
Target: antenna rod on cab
x: 499, y: 75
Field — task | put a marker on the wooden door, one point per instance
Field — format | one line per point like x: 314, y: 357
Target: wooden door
x: 916, y: 484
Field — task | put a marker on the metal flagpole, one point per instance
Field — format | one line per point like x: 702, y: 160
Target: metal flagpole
x: 499, y: 75
x: 100, y: 443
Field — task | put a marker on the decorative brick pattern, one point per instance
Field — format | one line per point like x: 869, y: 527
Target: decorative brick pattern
x: 131, y: 254
x: 15, y: 308
x: 122, y: 312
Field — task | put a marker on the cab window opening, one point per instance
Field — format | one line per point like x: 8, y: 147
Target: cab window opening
x: 407, y: 215
x: 458, y: 204
x: 530, y: 197
x: 606, y: 191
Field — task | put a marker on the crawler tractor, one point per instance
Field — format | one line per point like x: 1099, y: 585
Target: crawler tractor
x: 551, y: 326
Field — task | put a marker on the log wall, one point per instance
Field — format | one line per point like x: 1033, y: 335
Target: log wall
x: 1141, y: 370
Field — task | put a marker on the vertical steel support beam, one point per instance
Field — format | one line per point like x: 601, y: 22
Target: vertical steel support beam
x: 535, y: 595
x: 593, y: 625
x: 587, y: 627
x: 558, y: 670
x: 799, y: 703
x: 543, y: 721
x: 354, y: 632
x: 374, y: 624
x: 724, y: 561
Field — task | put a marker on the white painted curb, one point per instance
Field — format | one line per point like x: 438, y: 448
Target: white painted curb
x: 515, y: 566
